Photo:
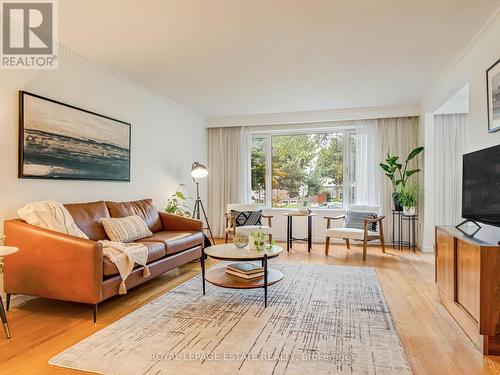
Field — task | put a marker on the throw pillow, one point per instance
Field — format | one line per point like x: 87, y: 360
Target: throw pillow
x: 126, y: 229
x: 243, y: 218
x: 355, y: 219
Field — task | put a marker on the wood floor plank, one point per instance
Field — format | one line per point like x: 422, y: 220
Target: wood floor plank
x: 433, y: 341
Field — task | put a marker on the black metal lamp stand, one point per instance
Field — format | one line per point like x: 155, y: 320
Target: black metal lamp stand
x: 199, y: 208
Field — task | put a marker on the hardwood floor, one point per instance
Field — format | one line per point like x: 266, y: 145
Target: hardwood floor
x: 433, y: 341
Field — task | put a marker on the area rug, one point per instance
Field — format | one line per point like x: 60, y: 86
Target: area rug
x: 320, y: 320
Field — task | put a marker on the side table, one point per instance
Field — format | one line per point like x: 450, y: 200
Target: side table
x: 4, y: 251
x: 289, y: 230
x: 398, y: 223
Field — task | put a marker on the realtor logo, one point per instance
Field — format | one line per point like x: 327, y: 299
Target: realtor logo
x: 29, y: 31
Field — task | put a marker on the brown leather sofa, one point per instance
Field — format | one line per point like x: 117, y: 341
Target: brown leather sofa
x: 55, y: 265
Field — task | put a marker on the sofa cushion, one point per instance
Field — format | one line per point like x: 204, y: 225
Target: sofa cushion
x: 87, y: 217
x: 176, y: 241
x: 144, y: 208
x: 156, y: 250
x: 125, y: 229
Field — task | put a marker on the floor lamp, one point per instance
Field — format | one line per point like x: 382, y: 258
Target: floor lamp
x: 198, y: 171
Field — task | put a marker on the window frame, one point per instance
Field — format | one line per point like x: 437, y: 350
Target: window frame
x: 267, y: 136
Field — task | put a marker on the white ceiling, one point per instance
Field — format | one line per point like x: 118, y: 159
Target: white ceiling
x: 232, y: 57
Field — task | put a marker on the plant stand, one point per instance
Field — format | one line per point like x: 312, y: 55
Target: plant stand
x: 399, y: 231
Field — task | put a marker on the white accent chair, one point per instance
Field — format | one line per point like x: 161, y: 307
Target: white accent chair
x: 231, y: 227
x: 364, y: 235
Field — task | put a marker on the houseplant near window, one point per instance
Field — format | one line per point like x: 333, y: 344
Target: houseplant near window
x: 408, y: 198
x: 176, y: 204
x: 399, y: 174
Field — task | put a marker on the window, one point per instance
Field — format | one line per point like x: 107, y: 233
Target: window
x: 258, y: 170
x: 309, y: 169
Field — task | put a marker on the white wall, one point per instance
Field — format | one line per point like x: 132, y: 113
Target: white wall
x: 469, y: 69
x: 166, y: 137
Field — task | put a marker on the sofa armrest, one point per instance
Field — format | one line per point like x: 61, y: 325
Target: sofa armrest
x: 180, y: 223
x: 52, y: 264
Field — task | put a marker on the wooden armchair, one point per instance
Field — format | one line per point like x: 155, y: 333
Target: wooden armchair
x: 353, y: 233
x: 231, y: 226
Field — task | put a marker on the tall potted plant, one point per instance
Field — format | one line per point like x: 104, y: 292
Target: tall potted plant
x: 399, y: 174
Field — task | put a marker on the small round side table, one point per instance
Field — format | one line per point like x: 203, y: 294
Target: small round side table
x: 4, y: 251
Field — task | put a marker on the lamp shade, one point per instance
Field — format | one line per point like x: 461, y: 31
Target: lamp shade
x: 198, y: 170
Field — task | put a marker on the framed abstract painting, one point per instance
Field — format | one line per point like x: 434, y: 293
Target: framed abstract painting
x: 493, y: 88
x: 60, y: 141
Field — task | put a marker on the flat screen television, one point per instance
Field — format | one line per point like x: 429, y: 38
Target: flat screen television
x: 481, y: 186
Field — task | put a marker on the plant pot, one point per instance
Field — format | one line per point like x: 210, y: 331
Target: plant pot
x: 409, y: 211
x: 395, y: 201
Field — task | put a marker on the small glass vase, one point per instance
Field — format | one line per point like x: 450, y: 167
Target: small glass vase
x: 240, y: 240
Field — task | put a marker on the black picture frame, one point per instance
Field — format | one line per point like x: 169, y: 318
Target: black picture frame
x: 95, y: 159
x: 489, y: 92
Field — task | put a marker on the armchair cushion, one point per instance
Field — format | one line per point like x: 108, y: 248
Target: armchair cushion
x: 244, y: 218
x: 356, y: 220
x: 350, y: 233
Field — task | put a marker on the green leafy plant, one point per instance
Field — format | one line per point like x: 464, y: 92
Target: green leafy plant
x: 176, y: 204
x: 270, y: 245
x: 259, y: 241
x: 409, y: 195
x: 399, y: 173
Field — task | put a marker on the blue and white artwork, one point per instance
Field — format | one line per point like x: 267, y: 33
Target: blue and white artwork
x: 64, y: 142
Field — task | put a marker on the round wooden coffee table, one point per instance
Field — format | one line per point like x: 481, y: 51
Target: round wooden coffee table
x: 229, y: 252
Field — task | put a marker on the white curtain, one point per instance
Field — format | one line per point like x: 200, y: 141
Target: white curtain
x: 367, y: 171
x: 228, y: 172
x: 376, y: 138
x: 449, y: 146
x: 396, y: 136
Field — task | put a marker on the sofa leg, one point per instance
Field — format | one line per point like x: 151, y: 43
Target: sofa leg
x: 327, y: 245
x: 226, y: 237
x: 8, y: 302
x: 348, y: 244
x: 94, y: 312
x: 365, y: 245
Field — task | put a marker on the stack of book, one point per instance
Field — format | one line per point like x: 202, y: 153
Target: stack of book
x: 245, y: 270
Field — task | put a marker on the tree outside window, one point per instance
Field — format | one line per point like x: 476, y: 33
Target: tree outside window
x: 313, y: 162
